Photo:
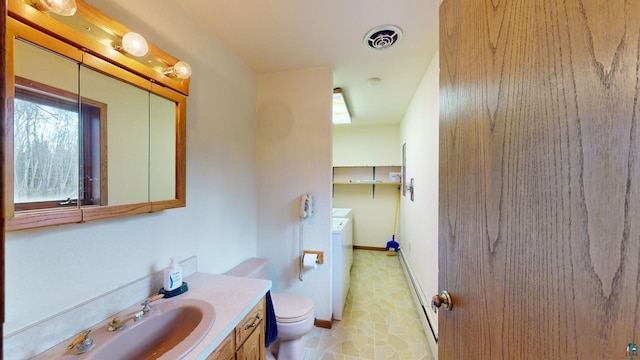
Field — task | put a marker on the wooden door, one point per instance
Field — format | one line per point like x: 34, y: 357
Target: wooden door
x: 539, y: 205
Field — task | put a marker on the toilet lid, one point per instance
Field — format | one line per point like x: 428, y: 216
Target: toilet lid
x: 291, y: 308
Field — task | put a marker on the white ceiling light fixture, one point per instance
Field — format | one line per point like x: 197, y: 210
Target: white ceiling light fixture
x: 373, y: 81
x: 382, y: 37
x: 340, y: 110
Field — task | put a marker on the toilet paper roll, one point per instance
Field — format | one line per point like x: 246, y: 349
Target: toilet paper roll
x: 310, y: 261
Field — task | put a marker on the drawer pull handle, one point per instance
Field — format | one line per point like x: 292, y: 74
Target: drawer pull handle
x: 255, y: 322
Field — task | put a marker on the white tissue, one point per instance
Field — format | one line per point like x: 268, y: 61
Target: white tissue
x: 310, y: 261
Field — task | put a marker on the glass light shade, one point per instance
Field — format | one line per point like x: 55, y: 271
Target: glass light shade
x: 59, y: 7
x: 340, y: 110
x: 180, y: 70
x: 135, y: 44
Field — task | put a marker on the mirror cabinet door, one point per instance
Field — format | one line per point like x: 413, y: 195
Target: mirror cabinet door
x: 127, y: 137
x: 42, y: 126
x: 162, y: 143
x: 45, y: 129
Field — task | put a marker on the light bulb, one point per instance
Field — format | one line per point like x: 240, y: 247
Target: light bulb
x: 59, y: 7
x: 182, y: 70
x: 135, y: 44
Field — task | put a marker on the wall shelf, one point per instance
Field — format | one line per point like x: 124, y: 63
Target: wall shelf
x: 365, y: 175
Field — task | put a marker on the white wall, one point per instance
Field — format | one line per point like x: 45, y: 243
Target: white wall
x: 372, y: 145
x: 294, y: 157
x: 366, y: 145
x: 419, y: 218
x: 51, y: 269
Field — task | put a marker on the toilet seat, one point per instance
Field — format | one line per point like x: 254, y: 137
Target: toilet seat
x: 290, y: 308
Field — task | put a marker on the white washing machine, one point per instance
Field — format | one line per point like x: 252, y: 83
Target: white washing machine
x: 342, y: 213
x: 342, y: 253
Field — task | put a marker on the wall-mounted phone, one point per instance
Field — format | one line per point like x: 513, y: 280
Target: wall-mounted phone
x: 306, y: 206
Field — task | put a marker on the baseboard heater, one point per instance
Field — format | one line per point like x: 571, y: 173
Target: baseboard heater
x: 419, y: 297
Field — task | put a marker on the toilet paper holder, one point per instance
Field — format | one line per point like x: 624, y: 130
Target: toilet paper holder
x: 319, y: 253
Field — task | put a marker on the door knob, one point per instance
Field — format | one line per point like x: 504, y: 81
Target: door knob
x: 444, y: 298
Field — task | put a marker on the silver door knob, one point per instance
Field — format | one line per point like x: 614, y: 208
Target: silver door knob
x: 444, y: 298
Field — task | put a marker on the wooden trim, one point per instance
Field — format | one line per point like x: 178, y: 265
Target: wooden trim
x: 19, y: 30
x: 166, y: 204
x: 181, y: 151
x: 325, y: 324
x: 103, y: 146
x: 98, y: 64
x: 7, y: 122
x: 375, y: 248
x: 105, y: 212
x: 48, y: 92
x: 35, y: 219
x: 3, y: 113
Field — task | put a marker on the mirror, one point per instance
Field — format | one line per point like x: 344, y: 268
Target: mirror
x: 45, y: 128
x: 162, y: 149
x: 90, y: 139
x: 127, y: 135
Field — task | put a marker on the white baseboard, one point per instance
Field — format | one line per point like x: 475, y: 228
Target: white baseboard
x: 422, y: 305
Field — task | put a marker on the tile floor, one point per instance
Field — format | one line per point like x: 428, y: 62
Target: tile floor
x: 380, y: 320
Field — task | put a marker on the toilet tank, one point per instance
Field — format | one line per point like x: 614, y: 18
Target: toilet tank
x: 255, y: 268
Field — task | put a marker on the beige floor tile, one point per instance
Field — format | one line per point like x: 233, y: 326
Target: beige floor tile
x: 380, y: 320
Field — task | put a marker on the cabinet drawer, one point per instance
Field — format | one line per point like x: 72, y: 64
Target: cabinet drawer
x: 253, y: 348
x: 253, y: 320
x: 226, y: 350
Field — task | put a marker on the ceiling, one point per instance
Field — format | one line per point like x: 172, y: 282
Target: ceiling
x: 283, y: 35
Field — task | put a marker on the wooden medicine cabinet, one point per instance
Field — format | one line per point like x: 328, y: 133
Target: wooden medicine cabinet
x: 92, y: 132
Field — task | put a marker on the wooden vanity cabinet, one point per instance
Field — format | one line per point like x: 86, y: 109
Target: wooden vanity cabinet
x: 226, y: 350
x: 246, y: 341
x: 253, y: 348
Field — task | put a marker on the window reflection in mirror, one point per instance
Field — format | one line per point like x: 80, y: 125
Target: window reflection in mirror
x: 46, y: 125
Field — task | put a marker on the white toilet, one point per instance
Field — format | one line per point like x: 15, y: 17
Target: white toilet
x: 294, y: 313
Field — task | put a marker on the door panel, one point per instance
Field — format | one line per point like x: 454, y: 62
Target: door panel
x: 539, y: 205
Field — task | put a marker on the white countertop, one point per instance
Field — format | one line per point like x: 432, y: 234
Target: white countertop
x: 232, y: 298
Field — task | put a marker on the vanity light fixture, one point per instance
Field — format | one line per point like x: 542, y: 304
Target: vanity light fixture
x: 340, y: 110
x: 180, y: 70
x: 134, y: 44
x: 59, y: 7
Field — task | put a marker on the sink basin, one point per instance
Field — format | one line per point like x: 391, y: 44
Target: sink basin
x: 170, y: 331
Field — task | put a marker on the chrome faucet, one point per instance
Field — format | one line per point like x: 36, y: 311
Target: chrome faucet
x: 116, y: 324
x: 82, y: 343
x: 146, y: 305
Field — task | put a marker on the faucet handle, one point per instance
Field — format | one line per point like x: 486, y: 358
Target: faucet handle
x: 116, y: 324
x: 82, y: 343
x: 146, y: 303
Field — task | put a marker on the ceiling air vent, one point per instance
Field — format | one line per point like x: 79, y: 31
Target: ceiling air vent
x: 382, y: 37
